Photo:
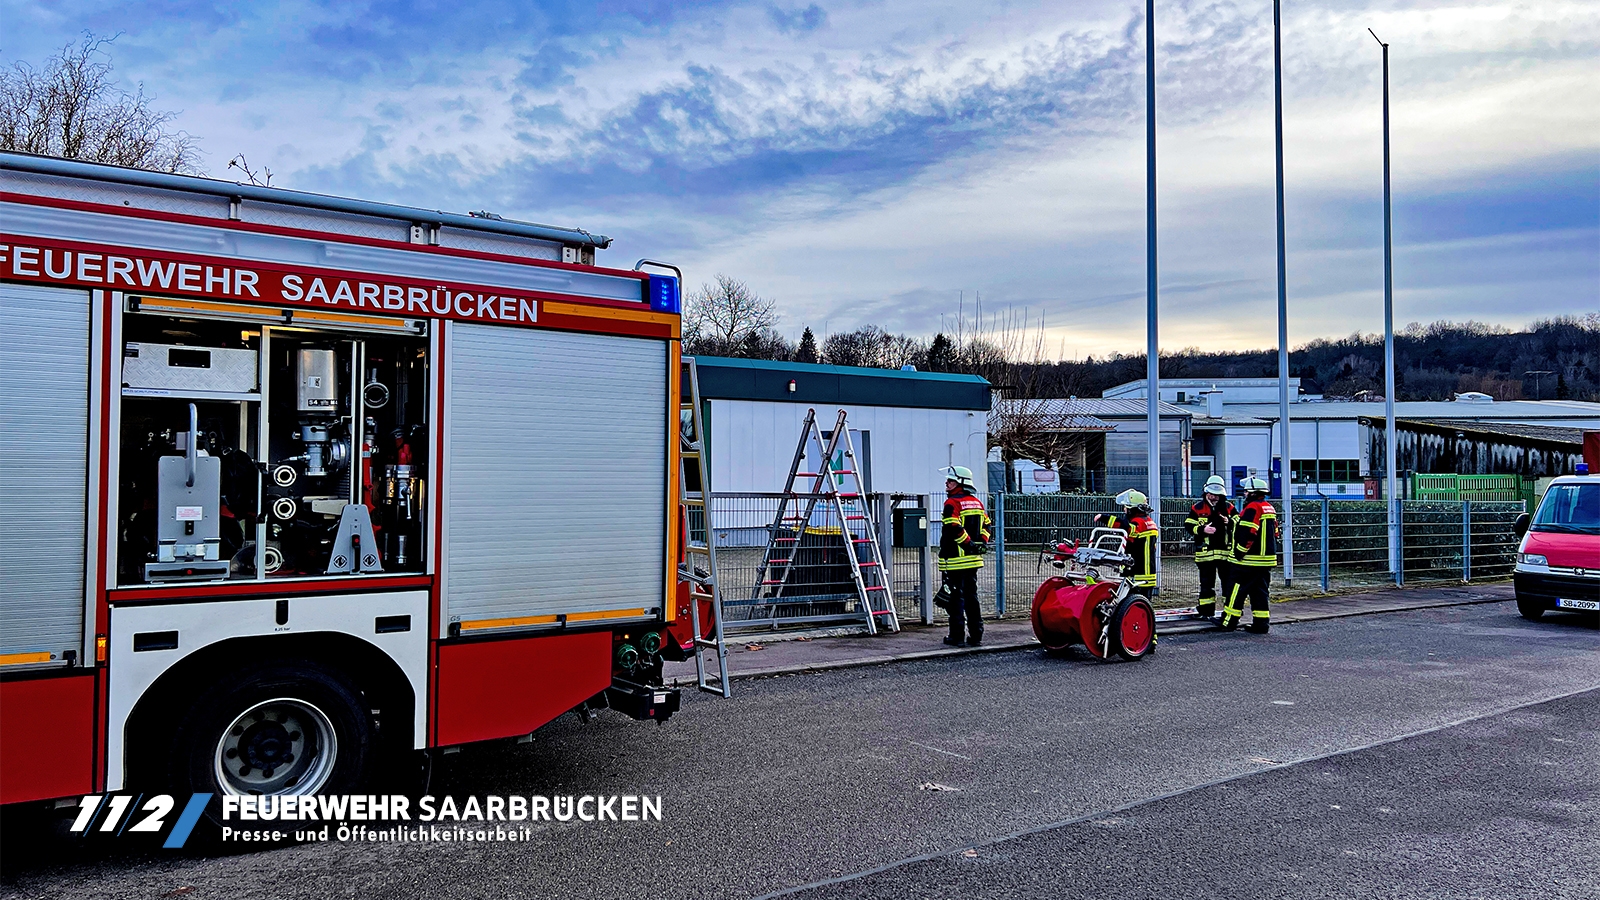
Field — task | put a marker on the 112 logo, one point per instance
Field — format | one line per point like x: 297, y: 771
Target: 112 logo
x: 120, y: 814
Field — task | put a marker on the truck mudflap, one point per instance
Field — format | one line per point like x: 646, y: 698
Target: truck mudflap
x: 641, y: 701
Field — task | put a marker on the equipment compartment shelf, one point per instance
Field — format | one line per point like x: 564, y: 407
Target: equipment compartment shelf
x: 178, y: 394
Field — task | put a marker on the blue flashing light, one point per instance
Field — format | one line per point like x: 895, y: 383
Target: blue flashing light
x: 664, y: 295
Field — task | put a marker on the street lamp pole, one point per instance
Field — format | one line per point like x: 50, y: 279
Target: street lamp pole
x: 1391, y: 436
x: 1152, y: 345
x: 1286, y: 472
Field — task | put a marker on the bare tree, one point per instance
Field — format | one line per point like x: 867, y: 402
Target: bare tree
x: 261, y: 177
x: 721, y: 319
x: 72, y: 108
x: 862, y: 347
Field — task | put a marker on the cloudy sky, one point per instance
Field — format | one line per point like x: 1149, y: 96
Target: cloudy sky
x: 876, y: 161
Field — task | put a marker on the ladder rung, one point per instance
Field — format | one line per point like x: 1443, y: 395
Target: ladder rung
x: 883, y: 612
x: 807, y: 475
x: 876, y: 587
x: 849, y: 495
x: 861, y: 540
x: 844, y: 471
x: 786, y: 540
x: 865, y: 564
x: 773, y: 581
x: 777, y: 561
x: 855, y: 517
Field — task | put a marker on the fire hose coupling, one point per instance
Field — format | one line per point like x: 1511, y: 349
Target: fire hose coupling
x: 627, y: 657
x: 634, y: 652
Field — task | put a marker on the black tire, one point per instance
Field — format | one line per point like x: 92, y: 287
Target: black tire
x: 1530, y: 609
x: 266, y: 715
x: 1133, y: 609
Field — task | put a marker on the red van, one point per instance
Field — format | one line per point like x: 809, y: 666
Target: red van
x: 1558, y: 561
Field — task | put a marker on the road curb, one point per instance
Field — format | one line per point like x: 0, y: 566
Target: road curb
x: 1182, y: 629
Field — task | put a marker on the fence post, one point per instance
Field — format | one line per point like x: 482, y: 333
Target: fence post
x: 1326, y: 538
x: 926, y: 556
x: 885, y: 536
x: 1466, y: 540
x: 1399, y: 543
x: 999, y: 554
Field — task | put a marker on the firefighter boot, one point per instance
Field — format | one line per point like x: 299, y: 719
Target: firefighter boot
x: 1232, y: 611
x: 1259, y: 624
x: 1206, y: 609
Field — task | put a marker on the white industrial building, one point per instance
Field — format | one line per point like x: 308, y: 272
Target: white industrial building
x: 911, y: 423
x: 1233, y: 428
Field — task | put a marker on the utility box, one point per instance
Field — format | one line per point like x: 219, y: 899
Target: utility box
x: 911, y: 527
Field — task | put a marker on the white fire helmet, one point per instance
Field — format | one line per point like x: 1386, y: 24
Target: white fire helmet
x: 960, y: 475
x: 1254, y: 484
x: 1215, y: 485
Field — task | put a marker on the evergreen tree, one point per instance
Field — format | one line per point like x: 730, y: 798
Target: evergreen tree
x: 807, y: 351
x: 941, y: 354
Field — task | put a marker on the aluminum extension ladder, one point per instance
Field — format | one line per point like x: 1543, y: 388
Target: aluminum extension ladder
x: 838, y: 482
x: 699, y: 566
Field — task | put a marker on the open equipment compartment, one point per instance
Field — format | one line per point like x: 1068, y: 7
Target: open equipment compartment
x: 255, y: 444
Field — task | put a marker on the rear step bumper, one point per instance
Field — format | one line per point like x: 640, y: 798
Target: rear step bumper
x: 643, y: 702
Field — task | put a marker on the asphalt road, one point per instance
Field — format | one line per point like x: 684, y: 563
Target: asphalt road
x: 1439, y: 753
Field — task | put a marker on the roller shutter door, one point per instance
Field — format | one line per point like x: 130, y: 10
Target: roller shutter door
x: 556, y: 473
x: 44, y: 465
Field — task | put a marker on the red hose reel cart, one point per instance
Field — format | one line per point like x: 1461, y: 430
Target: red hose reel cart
x: 1092, y: 602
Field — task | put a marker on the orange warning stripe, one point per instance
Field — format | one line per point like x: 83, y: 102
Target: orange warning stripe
x: 524, y: 621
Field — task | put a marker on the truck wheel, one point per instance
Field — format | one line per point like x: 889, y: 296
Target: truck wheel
x: 1133, y: 628
x: 1530, y: 609
x: 278, y: 729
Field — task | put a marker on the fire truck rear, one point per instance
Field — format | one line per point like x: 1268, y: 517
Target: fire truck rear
x: 293, y: 484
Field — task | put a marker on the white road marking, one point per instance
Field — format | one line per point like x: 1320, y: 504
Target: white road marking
x: 937, y: 750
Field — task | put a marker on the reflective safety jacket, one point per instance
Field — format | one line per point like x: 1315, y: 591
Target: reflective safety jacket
x: 1256, y: 535
x: 1144, y: 539
x: 966, y: 526
x: 1219, y: 544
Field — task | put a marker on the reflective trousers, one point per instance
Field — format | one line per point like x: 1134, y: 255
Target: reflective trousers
x: 964, y: 612
x: 1210, y: 570
x: 1252, y: 582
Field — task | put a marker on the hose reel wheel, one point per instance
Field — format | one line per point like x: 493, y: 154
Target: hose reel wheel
x: 285, y: 475
x: 1133, y: 628
x: 285, y: 507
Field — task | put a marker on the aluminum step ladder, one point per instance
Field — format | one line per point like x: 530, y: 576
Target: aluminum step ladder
x: 699, y: 566
x: 839, y: 486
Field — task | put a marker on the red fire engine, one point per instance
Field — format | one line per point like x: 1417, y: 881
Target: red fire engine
x: 292, y: 483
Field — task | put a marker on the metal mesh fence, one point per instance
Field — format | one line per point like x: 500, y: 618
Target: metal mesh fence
x: 1493, y: 542
x: 1338, y: 545
x: 818, y: 587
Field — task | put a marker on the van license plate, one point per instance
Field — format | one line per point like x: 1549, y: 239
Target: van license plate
x: 1578, y: 604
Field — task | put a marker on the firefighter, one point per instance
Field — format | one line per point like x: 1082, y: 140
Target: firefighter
x: 1255, y: 551
x: 1144, y: 536
x: 962, y: 542
x: 1210, y: 523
